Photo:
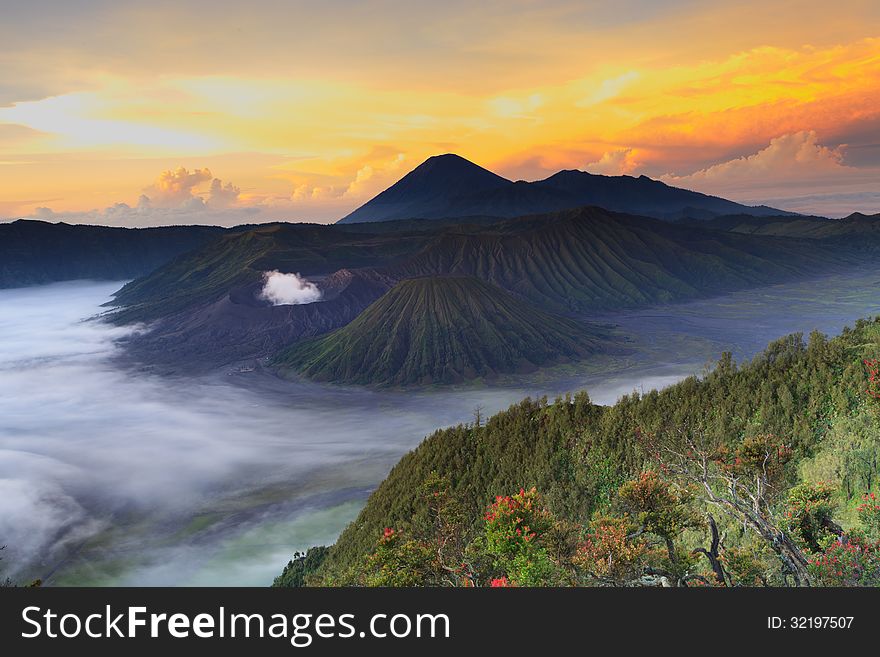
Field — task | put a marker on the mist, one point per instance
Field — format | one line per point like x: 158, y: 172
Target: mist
x: 111, y: 476
x: 288, y: 289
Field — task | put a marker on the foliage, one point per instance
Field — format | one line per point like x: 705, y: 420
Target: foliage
x: 659, y: 508
x: 848, y: 455
x: 751, y: 441
x: 869, y: 516
x: 609, y: 554
x: 515, y: 527
x: 401, y: 561
x: 873, y: 366
x: 852, y: 559
x: 853, y: 562
x: 301, y: 567
x: 808, y: 515
x: 745, y: 566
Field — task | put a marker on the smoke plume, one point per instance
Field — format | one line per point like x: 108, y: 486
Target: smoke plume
x: 288, y: 289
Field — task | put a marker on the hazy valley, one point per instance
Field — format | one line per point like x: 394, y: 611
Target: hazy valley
x: 117, y: 477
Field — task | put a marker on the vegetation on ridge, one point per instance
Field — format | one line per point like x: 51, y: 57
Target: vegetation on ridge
x: 640, y: 493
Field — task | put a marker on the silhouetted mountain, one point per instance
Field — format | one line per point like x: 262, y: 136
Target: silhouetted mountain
x: 447, y: 186
x: 443, y: 330
x: 36, y: 252
x: 433, y: 186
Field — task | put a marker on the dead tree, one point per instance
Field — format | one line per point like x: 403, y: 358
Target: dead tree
x: 714, y: 552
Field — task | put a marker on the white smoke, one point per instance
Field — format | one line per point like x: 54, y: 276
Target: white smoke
x: 288, y: 289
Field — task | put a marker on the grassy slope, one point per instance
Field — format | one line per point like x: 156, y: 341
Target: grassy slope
x: 577, y: 453
x: 205, y: 276
x: 589, y: 259
x: 572, y: 261
x: 442, y: 330
x: 855, y: 228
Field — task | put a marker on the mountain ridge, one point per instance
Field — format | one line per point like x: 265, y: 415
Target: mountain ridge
x: 36, y: 252
x: 448, y: 185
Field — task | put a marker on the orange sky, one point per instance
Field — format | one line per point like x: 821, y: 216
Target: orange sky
x: 133, y: 113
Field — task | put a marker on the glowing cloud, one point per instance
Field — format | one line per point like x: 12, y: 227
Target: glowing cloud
x: 615, y: 163
x: 222, y: 195
x: 787, y: 157
x: 173, y: 188
x: 794, y: 172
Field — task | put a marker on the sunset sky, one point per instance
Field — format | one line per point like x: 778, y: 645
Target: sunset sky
x: 144, y: 113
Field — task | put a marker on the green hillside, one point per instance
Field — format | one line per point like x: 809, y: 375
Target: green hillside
x: 587, y: 259
x: 237, y: 260
x: 572, y: 261
x: 815, y: 404
x: 860, y: 231
x: 442, y: 330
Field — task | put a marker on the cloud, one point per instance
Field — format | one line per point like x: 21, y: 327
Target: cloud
x: 793, y: 172
x: 222, y: 196
x: 608, y: 89
x: 615, y: 163
x: 788, y: 156
x: 172, y: 199
x: 144, y: 215
x: 288, y: 289
x: 516, y: 108
x: 174, y: 188
x: 370, y: 178
x: 196, y: 450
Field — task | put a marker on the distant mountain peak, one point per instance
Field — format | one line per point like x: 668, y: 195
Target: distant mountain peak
x: 861, y: 216
x: 429, y: 190
x: 448, y: 186
x: 448, y: 172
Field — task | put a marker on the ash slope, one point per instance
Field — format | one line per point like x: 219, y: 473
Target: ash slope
x: 443, y: 330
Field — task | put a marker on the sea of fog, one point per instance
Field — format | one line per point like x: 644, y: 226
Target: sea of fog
x: 114, y: 477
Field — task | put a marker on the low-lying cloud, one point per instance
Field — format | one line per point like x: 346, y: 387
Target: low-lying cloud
x: 288, y: 289
x: 112, y: 477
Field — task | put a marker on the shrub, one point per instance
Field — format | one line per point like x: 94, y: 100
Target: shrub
x: 808, y: 513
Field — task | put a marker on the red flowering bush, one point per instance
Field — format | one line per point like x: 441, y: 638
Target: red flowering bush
x: 853, y: 559
x: 764, y: 455
x: 514, y: 527
x: 807, y: 515
x: 610, y: 553
x: 850, y: 561
x: 873, y: 367
x: 869, y: 516
x: 500, y: 583
x: 400, y: 561
x: 512, y: 522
